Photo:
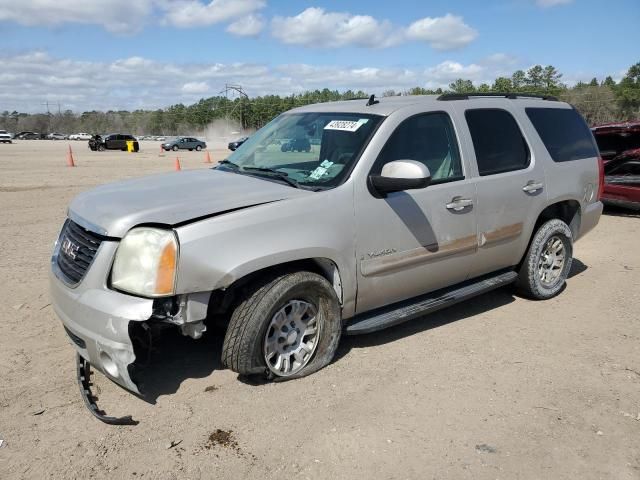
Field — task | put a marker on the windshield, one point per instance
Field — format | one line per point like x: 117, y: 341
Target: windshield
x: 314, y: 150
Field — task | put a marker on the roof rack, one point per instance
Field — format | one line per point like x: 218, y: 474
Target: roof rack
x: 511, y: 96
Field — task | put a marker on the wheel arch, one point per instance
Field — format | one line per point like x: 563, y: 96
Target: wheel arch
x: 223, y: 299
x: 568, y: 211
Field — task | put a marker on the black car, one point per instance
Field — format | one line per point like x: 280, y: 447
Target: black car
x: 300, y: 144
x: 115, y: 141
x: 234, y: 145
x: 27, y: 136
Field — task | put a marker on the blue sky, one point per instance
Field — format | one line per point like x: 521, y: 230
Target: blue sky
x: 150, y: 53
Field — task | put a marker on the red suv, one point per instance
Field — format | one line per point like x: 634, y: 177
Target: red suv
x: 619, y: 145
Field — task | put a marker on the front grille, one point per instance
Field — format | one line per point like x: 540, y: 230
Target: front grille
x: 78, y: 246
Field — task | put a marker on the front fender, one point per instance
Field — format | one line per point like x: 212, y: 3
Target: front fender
x: 216, y: 252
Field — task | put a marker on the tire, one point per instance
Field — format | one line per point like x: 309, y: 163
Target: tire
x: 198, y: 148
x: 101, y: 148
x: 174, y: 148
x: 280, y: 298
x: 540, y: 276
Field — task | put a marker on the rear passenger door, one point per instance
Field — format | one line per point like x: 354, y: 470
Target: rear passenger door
x: 510, y: 183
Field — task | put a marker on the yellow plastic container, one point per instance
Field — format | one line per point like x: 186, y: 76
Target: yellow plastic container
x: 130, y: 146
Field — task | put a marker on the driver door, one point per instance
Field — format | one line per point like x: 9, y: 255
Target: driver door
x: 416, y: 241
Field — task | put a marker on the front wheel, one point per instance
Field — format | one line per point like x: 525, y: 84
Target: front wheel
x: 175, y: 148
x: 101, y: 148
x: 198, y: 148
x: 288, y: 326
x: 547, y: 263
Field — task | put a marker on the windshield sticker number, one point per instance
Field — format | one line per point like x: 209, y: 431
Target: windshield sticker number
x: 346, y: 125
x: 321, y: 170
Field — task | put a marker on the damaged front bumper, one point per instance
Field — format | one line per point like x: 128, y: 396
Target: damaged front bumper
x: 99, y: 320
x: 110, y: 330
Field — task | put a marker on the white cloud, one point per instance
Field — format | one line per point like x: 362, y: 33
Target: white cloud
x: 126, y: 16
x: 552, y: 3
x: 502, y: 59
x: 315, y: 27
x: 195, y: 87
x: 117, y: 16
x: 248, y: 26
x: 442, y: 33
x: 194, y: 13
x: 27, y: 80
x: 448, y: 71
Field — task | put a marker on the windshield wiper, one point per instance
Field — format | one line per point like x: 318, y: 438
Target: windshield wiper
x: 229, y: 164
x: 270, y: 172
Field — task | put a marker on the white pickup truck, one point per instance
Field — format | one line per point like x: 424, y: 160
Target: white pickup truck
x: 5, y: 137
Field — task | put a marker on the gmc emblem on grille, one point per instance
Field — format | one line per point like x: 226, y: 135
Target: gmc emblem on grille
x: 69, y: 248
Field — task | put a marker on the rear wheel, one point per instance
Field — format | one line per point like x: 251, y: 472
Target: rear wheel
x: 547, y: 263
x: 288, y: 326
x: 101, y: 148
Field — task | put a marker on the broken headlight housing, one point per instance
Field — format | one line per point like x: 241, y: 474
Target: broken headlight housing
x: 146, y: 262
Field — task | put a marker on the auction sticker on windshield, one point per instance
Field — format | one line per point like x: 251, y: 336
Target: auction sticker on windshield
x: 346, y: 125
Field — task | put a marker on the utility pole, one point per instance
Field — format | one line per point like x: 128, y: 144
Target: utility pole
x: 48, y: 116
x: 230, y: 87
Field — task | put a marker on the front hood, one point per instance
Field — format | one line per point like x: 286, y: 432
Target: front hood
x: 172, y: 199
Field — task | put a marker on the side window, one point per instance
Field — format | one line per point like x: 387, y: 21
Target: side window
x: 427, y: 138
x: 563, y: 132
x: 497, y: 141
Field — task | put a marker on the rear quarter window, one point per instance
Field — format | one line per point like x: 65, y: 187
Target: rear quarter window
x: 564, y: 133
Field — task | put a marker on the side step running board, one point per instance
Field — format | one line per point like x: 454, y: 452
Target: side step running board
x: 416, y: 307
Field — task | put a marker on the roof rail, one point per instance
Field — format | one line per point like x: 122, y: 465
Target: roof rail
x: 510, y: 95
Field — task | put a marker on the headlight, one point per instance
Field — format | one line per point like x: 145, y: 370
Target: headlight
x: 146, y: 262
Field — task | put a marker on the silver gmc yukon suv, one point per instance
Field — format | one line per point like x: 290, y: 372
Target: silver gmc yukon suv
x: 399, y: 207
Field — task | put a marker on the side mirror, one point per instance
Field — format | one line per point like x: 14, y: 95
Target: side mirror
x: 400, y: 175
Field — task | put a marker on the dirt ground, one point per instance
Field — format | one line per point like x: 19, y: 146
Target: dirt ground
x: 498, y: 387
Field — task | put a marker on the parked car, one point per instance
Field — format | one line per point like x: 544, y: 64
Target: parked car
x: 233, y: 146
x: 57, y: 136
x: 28, y: 136
x: 619, y: 145
x: 298, y: 144
x: 5, y: 137
x: 115, y: 141
x: 409, y: 205
x: 80, y: 136
x: 184, y: 143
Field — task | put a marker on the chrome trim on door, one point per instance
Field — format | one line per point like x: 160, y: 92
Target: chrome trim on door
x: 416, y: 256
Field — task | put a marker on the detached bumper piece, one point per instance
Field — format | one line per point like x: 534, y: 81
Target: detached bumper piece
x: 84, y: 382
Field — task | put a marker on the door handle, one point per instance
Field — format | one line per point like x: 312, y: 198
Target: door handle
x: 458, y: 204
x: 532, y: 187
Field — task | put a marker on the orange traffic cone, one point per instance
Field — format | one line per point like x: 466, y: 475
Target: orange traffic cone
x: 70, y: 162
x: 207, y: 158
x: 177, y: 165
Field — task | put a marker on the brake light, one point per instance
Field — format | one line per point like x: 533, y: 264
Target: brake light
x: 600, y: 178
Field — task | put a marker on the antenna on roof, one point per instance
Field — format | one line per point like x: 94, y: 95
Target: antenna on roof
x: 372, y: 101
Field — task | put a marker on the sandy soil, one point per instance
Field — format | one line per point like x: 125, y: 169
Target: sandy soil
x: 499, y: 387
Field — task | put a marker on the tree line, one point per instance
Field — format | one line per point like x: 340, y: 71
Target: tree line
x: 599, y: 101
